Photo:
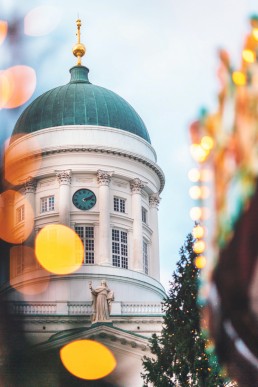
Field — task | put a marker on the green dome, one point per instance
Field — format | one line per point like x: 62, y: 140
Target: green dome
x: 80, y: 103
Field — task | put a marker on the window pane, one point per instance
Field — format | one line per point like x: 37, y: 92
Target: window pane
x: 20, y: 214
x: 144, y: 215
x: 116, y: 204
x: 119, y: 204
x: 86, y: 234
x: 145, y: 257
x: 47, y: 204
x: 119, y: 249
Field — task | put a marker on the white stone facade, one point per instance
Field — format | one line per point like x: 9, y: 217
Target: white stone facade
x: 113, y: 164
x: 120, y: 169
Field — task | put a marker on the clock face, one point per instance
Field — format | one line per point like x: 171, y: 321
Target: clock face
x: 84, y: 199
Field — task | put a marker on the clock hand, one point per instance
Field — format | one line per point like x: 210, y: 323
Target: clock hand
x: 87, y: 199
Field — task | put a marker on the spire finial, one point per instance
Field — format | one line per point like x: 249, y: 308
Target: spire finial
x: 79, y: 48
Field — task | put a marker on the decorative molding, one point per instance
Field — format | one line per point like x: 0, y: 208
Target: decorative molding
x: 46, y: 182
x: 137, y: 185
x: 87, y: 180
x: 64, y: 177
x: 120, y: 183
x: 22, y: 308
x: 30, y: 185
x: 103, y: 177
x: 78, y: 308
x: 141, y: 308
x: 83, y: 308
x: 129, y: 155
x: 154, y: 200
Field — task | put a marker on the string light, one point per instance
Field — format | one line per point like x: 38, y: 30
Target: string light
x: 239, y: 78
x: 248, y: 56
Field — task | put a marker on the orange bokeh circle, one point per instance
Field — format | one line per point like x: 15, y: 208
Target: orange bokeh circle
x: 59, y: 249
x: 87, y: 359
x: 16, y: 217
x: 3, y: 30
x: 22, y: 158
x: 23, y: 262
x: 17, y: 84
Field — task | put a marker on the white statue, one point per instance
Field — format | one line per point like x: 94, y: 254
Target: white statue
x: 101, y: 301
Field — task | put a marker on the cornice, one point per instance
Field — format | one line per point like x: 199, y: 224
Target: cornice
x: 116, y: 152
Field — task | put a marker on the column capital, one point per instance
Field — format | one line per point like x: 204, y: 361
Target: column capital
x: 154, y: 200
x: 103, y: 177
x: 30, y: 185
x: 64, y: 177
x: 137, y: 185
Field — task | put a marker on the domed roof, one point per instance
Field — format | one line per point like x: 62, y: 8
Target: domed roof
x: 80, y: 103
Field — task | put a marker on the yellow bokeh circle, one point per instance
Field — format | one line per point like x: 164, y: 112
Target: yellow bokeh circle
x: 87, y: 359
x: 59, y: 249
x: 198, y: 232
x: 200, y: 261
x: 239, y: 78
x: 199, y: 247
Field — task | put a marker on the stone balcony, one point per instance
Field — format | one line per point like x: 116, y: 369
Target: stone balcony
x: 84, y: 308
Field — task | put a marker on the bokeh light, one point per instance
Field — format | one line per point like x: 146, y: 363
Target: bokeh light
x: 205, y: 192
x: 200, y: 261
x: 17, y: 84
x: 87, y: 359
x: 3, y: 30
x: 22, y: 261
x: 198, y: 153
x: 207, y: 143
x: 195, y: 192
x: 194, y: 175
x: 198, y: 232
x: 42, y: 20
x: 199, y: 247
x: 248, y: 56
x: 21, y: 160
x: 239, y: 78
x: 196, y: 213
x: 206, y: 174
x: 59, y: 249
x: 255, y: 33
x: 16, y: 217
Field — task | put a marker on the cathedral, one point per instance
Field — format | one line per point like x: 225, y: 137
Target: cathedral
x: 92, y: 169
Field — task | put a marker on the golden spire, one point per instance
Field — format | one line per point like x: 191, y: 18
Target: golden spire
x: 79, y: 48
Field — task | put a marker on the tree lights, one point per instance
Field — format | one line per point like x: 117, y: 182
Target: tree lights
x: 225, y: 144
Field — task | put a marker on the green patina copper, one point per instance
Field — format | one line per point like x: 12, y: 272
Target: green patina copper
x: 80, y: 103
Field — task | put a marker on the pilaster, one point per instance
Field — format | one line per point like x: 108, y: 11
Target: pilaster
x: 154, y: 201
x: 64, y: 179
x: 136, y: 187
x: 104, y: 178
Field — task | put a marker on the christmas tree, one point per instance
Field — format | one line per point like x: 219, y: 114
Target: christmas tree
x: 180, y: 358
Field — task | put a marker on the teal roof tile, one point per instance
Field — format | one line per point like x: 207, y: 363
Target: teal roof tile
x: 80, y: 103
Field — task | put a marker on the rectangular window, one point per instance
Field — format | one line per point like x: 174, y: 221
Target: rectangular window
x: 86, y: 234
x: 47, y: 204
x: 144, y: 215
x: 145, y: 258
x: 119, y: 249
x: 20, y: 214
x: 119, y: 204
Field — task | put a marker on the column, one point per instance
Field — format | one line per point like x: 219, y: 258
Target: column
x: 64, y: 179
x: 29, y: 190
x: 104, y: 178
x: 136, y: 186
x: 154, y: 200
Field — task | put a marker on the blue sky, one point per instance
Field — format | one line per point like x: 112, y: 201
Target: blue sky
x: 160, y: 55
